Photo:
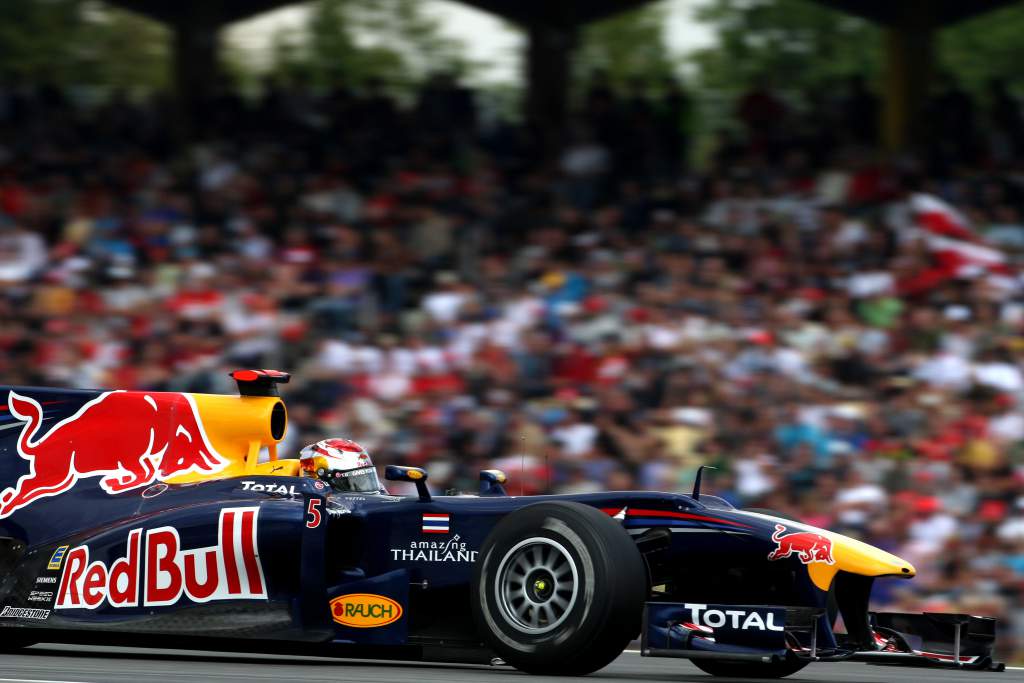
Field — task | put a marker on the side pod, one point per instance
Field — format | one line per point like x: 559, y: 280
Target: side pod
x: 312, y: 606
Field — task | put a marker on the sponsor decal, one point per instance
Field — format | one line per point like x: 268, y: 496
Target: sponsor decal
x: 739, y: 619
x: 806, y: 545
x: 279, y: 489
x: 229, y: 570
x: 24, y: 613
x: 57, y: 557
x: 450, y: 550
x: 46, y: 579
x: 40, y: 596
x: 314, y: 516
x: 365, y: 610
x: 319, y: 485
x: 434, y: 523
x: 129, y: 439
x: 352, y: 473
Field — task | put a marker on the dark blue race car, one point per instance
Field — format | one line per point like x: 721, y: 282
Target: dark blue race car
x: 133, y: 517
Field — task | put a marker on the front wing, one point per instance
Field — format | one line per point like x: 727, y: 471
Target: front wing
x: 767, y: 634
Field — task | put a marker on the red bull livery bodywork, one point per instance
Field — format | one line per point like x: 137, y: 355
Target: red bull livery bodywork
x: 148, y: 440
x: 166, y: 518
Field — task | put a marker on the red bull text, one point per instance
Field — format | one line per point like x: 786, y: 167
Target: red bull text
x: 230, y: 570
x: 808, y: 546
x: 129, y: 439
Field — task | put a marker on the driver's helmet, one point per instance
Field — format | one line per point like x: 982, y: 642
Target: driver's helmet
x: 343, y: 464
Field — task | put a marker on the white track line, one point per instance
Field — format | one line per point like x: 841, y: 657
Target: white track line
x: 33, y: 680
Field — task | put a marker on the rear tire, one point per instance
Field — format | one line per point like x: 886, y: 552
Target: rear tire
x: 717, y: 667
x: 559, y: 589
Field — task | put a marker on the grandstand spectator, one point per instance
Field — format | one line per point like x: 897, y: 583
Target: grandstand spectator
x: 450, y: 300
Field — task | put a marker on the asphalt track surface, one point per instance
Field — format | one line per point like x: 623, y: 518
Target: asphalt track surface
x: 87, y: 664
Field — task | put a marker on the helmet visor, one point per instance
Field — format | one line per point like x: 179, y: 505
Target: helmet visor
x: 353, y: 481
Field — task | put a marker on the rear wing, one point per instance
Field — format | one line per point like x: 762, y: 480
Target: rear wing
x: 50, y: 439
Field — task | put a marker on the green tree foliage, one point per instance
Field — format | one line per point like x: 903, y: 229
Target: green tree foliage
x: 802, y: 45
x: 124, y: 50
x: 985, y: 47
x: 792, y: 43
x: 354, y: 41
x: 34, y: 38
x: 627, y: 48
x: 81, y: 43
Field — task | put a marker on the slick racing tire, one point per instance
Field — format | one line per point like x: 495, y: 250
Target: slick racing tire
x: 559, y: 589
x: 719, y: 667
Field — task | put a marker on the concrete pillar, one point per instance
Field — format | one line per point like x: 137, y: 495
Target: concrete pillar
x: 196, y: 40
x: 909, y: 58
x: 548, y: 66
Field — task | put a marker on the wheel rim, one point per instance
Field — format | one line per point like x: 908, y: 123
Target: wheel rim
x: 536, y: 585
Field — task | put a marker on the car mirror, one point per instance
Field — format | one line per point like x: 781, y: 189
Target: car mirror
x: 491, y: 483
x: 414, y: 474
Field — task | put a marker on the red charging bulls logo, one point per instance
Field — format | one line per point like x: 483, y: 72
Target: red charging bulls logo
x: 808, y: 546
x: 128, y: 438
x: 230, y: 570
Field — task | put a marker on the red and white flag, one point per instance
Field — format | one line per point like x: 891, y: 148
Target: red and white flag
x: 958, y: 249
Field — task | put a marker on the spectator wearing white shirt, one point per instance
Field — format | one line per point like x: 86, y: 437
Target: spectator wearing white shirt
x: 575, y: 436
x: 22, y: 253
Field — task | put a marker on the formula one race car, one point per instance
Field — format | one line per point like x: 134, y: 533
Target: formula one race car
x: 150, y: 518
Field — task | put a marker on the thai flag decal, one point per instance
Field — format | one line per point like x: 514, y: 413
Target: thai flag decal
x: 435, y: 523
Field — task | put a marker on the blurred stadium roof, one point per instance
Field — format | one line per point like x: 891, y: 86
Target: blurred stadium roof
x: 551, y: 26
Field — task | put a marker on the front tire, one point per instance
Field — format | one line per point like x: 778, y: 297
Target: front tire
x: 780, y: 669
x: 559, y: 589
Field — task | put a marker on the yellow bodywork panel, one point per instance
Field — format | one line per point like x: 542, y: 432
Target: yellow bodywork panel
x: 848, y: 555
x: 238, y: 427
x: 285, y: 467
x: 856, y: 557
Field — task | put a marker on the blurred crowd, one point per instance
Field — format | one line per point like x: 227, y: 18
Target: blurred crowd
x: 451, y: 296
